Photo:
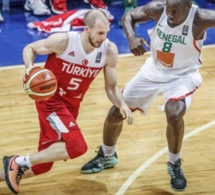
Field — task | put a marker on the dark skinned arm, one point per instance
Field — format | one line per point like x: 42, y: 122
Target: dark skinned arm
x: 150, y: 11
x: 203, y: 20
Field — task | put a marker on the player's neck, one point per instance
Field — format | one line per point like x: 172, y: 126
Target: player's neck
x: 87, y: 46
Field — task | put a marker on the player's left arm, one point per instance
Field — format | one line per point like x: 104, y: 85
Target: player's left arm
x: 111, y: 87
x: 204, y: 19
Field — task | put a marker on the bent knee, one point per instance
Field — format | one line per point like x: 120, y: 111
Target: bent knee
x: 76, y: 149
x: 175, y: 110
x: 75, y: 144
x: 114, y: 115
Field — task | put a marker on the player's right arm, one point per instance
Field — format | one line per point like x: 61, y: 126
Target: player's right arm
x: 55, y: 43
x: 150, y: 11
x: 111, y: 87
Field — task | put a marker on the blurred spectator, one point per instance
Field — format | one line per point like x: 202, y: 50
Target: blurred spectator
x: 5, y: 5
x: 97, y: 4
x: 1, y: 18
x: 58, y: 6
x: 193, y: 1
x: 39, y: 7
x: 131, y: 4
x: 128, y: 5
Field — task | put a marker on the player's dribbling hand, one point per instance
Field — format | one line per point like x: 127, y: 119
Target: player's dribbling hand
x: 136, y: 45
x: 27, y: 71
x: 127, y: 114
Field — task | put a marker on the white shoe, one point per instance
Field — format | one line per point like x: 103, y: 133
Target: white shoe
x: 37, y: 6
x: 1, y: 18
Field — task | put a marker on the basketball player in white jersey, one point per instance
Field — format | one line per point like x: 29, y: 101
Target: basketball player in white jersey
x: 75, y: 58
x: 172, y: 70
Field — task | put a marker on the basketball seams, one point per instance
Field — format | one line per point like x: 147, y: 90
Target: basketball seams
x: 39, y: 84
x: 37, y: 87
x: 37, y: 73
x: 27, y: 84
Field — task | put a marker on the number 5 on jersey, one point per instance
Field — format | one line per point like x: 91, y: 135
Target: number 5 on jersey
x: 74, y: 84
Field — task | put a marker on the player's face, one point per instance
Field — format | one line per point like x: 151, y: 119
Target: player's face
x: 177, y: 11
x: 98, y: 34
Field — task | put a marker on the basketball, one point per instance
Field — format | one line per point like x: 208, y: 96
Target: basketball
x: 40, y: 84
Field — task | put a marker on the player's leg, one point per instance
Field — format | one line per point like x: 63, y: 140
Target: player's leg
x: 138, y: 95
x: 15, y: 167
x: 60, y: 139
x: 175, y: 110
x: 106, y: 156
x: 178, y: 97
x: 38, y: 7
x: 28, y: 173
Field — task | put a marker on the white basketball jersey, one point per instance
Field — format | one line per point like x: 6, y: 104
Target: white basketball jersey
x: 174, y: 52
x: 76, y: 54
x: 75, y: 69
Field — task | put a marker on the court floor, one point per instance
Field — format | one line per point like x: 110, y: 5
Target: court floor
x: 141, y: 148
